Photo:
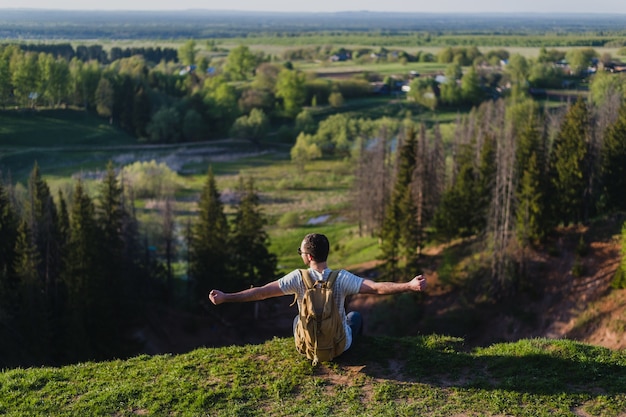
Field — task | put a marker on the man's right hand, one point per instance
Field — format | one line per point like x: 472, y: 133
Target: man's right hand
x: 418, y: 283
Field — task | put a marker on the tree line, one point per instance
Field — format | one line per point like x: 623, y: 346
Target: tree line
x: 77, y: 276
x: 97, y: 52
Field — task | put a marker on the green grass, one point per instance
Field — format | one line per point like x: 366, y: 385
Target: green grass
x: 429, y: 376
x: 54, y: 128
x: 384, y: 68
x: 62, y: 142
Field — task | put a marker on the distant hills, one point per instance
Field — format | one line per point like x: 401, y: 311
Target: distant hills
x: 42, y: 24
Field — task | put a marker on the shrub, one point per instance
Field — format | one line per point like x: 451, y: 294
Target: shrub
x: 289, y: 219
x: 150, y: 179
x: 335, y: 99
x: 305, y: 149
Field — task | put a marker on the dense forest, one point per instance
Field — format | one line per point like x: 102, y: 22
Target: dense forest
x: 76, y: 276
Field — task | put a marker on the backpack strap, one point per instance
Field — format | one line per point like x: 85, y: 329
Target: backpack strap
x: 332, y: 278
x: 306, y: 277
x: 308, y: 283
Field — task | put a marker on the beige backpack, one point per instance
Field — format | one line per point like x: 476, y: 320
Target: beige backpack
x: 320, y: 334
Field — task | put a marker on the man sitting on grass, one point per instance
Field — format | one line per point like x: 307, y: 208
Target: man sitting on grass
x: 314, y: 251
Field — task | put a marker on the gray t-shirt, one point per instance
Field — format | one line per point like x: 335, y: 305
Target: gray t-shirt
x: 345, y: 285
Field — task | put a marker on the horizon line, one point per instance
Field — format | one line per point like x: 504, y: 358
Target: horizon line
x: 559, y: 13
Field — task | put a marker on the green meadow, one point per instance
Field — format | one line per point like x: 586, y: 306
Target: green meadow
x: 429, y: 376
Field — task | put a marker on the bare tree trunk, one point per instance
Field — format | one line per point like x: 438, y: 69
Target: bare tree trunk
x: 371, y: 186
x: 436, y: 172
x: 501, y: 225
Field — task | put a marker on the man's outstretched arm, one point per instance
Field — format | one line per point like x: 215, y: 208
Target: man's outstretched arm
x: 382, y: 288
x: 251, y: 294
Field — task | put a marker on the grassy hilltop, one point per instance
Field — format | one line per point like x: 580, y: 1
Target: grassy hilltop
x: 426, y: 376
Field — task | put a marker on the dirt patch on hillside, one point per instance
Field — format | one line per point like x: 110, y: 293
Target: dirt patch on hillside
x: 567, y: 295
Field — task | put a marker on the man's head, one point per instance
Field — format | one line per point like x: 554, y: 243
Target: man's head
x: 316, y: 245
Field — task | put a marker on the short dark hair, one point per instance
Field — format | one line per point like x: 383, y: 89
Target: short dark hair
x: 317, y: 246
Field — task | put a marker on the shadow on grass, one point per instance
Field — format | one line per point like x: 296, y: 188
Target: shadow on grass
x: 536, y: 366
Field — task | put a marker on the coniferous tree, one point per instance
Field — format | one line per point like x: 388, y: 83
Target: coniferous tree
x: 529, y: 212
x: 32, y: 304
x: 58, y: 297
x: 82, y: 277
x: 399, y: 232
x: 208, y: 246
x: 110, y: 247
x: 8, y: 238
x: 569, y: 167
x: 41, y: 216
x: 253, y: 264
x: 110, y: 216
x: 530, y: 193
x: 456, y: 215
x: 64, y: 222
x: 614, y: 163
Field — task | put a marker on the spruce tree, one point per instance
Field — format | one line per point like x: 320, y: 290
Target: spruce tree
x: 568, y: 166
x: 460, y: 209
x: 253, y: 264
x: 63, y: 224
x: 115, y: 270
x: 32, y: 304
x: 110, y: 217
x: 400, y: 230
x: 614, y: 163
x: 530, y: 192
x: 41, y: 216
x: 8, y: 238
x: 529, y: 212
x: 209, y: 253
x: 82, y: 277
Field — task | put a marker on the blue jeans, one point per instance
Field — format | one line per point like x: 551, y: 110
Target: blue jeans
x: 355, y: 321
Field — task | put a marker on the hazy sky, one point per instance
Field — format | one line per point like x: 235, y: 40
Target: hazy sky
x: 540, y: 6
